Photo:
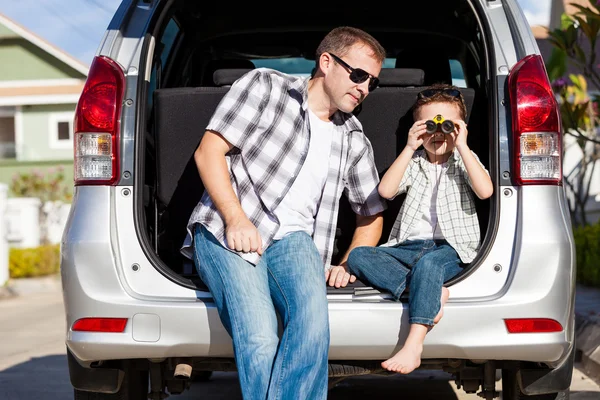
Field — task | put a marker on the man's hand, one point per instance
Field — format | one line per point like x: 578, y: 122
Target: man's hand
x: 243, y: 236
x: 338, y: 276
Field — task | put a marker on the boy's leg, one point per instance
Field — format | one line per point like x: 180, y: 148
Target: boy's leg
x: 385, y: 268
x: 242, y: 296
x: 299, y: 292
x: 427, y: 279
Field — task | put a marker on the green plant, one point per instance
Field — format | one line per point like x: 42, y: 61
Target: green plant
x: 35, y: 261
x: 588, y: 254
x: 47, y: 186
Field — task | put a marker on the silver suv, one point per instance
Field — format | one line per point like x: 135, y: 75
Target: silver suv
x: 140, y: 321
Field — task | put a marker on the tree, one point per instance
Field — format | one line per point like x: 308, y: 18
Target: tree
x: 575, y: 42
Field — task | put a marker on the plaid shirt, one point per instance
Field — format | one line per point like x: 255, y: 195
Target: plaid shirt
x: 264, y: 116
x: 456, y: 212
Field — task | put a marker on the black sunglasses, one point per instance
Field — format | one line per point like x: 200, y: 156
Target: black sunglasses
x: 427, y: 93
x: 358, y: 75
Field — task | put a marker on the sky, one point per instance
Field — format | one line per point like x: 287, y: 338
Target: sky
x: 77, y: 26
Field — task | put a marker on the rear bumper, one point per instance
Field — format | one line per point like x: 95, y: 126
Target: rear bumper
x: 167, y: 320
x: 360, y: 330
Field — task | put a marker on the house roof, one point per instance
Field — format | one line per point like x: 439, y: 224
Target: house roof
x: 44, y: 45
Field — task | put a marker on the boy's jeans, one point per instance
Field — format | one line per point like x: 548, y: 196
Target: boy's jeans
x: 289, y: 278
x: 424, y: 264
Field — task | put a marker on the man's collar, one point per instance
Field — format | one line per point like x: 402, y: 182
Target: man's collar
x: 300, y: 86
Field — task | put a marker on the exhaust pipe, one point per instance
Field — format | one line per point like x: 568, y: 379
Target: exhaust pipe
x: 183, y: 371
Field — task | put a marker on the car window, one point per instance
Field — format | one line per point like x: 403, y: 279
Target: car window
x: 167, y: 40
x: 300, y: 66
x: 458, y: 74
x: 164, y: 51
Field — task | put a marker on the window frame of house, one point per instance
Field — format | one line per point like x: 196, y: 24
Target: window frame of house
x: 53, y: 120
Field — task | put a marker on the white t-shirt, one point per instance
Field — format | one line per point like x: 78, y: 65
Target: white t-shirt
x: 424, y: 227
x: 297, y: 210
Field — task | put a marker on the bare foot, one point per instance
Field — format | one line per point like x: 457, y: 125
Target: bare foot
x: 443, y: 300
x: 405, y: 361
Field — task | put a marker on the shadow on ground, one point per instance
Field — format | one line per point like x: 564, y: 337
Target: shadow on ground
x: 47, y: 378
x: 40, y: 378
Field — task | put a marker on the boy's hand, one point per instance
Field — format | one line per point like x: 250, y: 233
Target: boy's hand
x: 460, y: 134
x: 415, y: 135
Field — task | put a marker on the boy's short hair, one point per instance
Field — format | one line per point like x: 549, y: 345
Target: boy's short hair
x: 441, y: 93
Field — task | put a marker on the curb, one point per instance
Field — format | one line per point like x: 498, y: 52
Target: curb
x: 28, y: 286
x: 7, y: 292
x: 587, y: 340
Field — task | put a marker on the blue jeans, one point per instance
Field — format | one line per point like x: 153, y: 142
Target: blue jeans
x: 423, y: 265
x: 288, y: 280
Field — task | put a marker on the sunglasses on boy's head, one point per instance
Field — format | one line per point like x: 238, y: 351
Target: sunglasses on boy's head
x: 427, y: 93
x: 358, y: 75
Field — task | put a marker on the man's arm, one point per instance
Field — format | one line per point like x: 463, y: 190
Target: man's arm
x: 367, y: 233
x: 241, y: 234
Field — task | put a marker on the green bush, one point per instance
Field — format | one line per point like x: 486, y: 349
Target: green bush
x: 587, y: 245
x: 35, y: 261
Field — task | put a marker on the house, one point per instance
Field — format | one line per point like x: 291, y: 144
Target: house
x: 39, y: 89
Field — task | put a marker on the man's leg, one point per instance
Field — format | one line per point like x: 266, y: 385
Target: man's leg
x: 298, y: 289
x: 241, y: 294
x: 425, y: 294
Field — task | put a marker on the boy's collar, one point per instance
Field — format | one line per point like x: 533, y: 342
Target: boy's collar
x: 422, y: 155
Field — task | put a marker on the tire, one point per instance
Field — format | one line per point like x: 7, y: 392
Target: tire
x: 202, y: 376
x: 512, y: 391
x: 133, y: 387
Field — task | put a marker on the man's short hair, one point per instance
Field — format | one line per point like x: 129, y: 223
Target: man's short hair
x: 341, y: 39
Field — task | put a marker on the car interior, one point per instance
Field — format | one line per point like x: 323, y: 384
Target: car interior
x: 200, y: 53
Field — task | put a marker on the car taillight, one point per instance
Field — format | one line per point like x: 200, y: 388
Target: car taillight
x: 536, y: 124
x: 532, y: 325
x: 111, y: 325
x: 97, y: 124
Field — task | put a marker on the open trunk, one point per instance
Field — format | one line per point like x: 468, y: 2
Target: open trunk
x: 202, y: 50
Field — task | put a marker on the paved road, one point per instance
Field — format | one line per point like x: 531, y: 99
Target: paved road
x: 33, y: 365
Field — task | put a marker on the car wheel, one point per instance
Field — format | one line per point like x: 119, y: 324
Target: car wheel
x: 133, y: 387
x: 512, y: 391
x: 201, y: 376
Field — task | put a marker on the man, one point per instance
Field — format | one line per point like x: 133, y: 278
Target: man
x: 276, y: 157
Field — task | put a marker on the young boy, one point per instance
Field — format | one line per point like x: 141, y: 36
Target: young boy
x: 437, y: 228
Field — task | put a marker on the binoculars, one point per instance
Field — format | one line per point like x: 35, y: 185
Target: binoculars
x: 438, y: 122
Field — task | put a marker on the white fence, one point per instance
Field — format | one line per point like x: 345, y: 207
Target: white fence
x: 3, y: 242
x: 20, y: 224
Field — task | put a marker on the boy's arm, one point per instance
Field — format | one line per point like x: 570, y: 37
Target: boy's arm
x: 479, y: 177
x: 390, y: 182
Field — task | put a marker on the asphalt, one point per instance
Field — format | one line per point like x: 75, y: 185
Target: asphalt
x: 587, y: 316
